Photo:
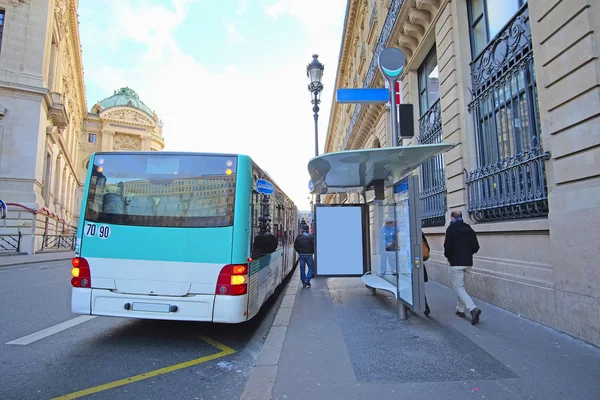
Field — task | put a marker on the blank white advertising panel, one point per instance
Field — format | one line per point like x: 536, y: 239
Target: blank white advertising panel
x: 339, y: 241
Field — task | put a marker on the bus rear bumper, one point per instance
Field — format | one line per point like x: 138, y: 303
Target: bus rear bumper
x: 231, y: 309
x: 81, y: 301
x: 207, y: 308
x: 189, y: 308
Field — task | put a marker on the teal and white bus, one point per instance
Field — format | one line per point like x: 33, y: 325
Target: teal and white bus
x: 180, y: 236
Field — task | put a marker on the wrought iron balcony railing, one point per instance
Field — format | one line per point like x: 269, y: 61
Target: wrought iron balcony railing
x: 510, y: 180
x: 433, y: 177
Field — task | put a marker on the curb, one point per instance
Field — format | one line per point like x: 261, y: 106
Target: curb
x: 35, y: 261
x: 262, y: 378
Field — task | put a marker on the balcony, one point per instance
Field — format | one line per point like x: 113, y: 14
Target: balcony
x: 433, y: 178
x: 510, y: 179
x: 57, y: 111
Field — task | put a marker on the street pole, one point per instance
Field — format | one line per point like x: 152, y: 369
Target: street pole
x: 316, y: 102
x: 314, y: 72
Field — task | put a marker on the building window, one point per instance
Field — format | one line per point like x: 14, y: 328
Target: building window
x: 488, y: 18
x: 92, y: 138
x: 429, y: 82
x: 2, y: 15
x: 510, y: 180
x: 433, y: 178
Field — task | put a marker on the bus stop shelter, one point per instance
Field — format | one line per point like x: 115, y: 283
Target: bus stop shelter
x: 380, y: 239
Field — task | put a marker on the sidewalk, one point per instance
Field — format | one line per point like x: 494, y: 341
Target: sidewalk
x: 19, y: 259
x: 343, y: 343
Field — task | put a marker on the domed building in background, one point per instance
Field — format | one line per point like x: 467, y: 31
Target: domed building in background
x: 47, y: 134
x: 122, y: 122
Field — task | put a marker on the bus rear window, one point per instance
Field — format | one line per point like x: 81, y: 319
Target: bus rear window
x: 162, y: 190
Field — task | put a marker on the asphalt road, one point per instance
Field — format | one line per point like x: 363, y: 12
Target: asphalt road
x: 114, y: 358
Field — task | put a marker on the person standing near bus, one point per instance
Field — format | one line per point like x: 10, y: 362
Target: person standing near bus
x: 305, y: 246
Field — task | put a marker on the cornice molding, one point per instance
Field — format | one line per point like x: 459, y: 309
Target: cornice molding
x: 76, y: 43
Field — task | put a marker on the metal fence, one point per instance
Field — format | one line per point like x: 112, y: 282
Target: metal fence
x: 510, y: 180
x: 58, y: 242
x: 26, y: 230
x: 10, y: 243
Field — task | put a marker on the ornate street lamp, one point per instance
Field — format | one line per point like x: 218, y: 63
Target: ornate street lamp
x: 314, y: 71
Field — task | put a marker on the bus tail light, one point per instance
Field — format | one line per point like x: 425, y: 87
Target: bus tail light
x: 238, y: 290
x: 81, y: 273
x: 233, y: 280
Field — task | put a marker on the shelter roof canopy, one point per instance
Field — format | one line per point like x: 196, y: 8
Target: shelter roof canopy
x: 356, y: 170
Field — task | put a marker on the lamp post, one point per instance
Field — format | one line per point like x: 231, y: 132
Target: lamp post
x: 314, y: 71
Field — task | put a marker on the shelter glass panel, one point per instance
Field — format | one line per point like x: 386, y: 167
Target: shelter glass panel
x: 403, y: 246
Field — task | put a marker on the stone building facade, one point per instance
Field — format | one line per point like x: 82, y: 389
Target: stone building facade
x: 46, y: 132
x: 515, y: 84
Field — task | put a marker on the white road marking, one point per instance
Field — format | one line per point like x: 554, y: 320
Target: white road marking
x: 15, y: 270
x: 44, y: 333
x: 40, y: 267
x: 31, y: 286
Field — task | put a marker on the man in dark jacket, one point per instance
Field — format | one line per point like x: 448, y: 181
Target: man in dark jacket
x: 305, y: 246
x: 460, y: 245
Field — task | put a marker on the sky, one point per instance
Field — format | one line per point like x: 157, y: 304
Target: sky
x: 224, y: 76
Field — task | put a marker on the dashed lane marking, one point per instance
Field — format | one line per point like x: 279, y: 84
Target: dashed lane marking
x: 223, y: 351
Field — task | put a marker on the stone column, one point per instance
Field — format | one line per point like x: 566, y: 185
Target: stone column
x: 73, y: 197
x: 77, y: 154
x: 67, y: 195
x: 76, y: 134
x: 567, y: 60
x: 35, y: 43
x: 50, y: 168
x: 58, y: 183
x: 67, y: 204
x: 146, y: 143
x: 63, y: 191
x: 69, y: 143
x: 107, y: 140
x: 77, y: 208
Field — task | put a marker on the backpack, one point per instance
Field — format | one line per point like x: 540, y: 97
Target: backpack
x: 425, y: 250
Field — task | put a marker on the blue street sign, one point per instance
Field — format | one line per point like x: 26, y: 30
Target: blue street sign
x: 363, y: 95
x: 264, y: 187
x: 310, y: 185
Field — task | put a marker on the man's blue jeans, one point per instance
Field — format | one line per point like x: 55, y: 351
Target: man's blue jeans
x: 306, y: 259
